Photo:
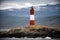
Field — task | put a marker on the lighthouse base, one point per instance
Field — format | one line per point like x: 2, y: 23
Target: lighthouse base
x: 32, y: 22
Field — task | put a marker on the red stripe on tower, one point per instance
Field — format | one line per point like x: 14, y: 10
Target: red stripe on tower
x: 32, y: 16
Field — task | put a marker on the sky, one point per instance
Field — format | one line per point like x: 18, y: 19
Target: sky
x: 18, y: 4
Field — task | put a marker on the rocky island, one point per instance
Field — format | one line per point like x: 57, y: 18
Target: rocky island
x: 32, y: 32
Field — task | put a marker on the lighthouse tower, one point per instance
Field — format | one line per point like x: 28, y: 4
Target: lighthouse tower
x: 32, y: 22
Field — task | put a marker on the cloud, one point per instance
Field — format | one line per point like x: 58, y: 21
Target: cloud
x: 7, y: 5
x: 14, y: 5
x: 37, y: 8
x: 18, y: 4
x: 53, y: 3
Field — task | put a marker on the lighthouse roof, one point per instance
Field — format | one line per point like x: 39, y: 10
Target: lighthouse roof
x: 32, y: 8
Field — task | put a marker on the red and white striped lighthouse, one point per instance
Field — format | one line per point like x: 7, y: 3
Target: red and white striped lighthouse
x: 32, y: 22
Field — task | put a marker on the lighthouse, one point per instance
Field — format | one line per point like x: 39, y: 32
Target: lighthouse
x: 32, y: 22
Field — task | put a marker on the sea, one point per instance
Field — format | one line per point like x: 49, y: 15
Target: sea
x: 25, y: 38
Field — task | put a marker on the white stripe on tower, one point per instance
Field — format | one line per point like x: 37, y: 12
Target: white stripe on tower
x: 31, y: 17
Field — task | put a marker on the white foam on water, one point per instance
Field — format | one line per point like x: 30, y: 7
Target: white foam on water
x: 25, y: 38
x: 47, y: 38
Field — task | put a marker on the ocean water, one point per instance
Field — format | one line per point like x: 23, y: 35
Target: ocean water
x: 12, y: 22
x: 47, y: 38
